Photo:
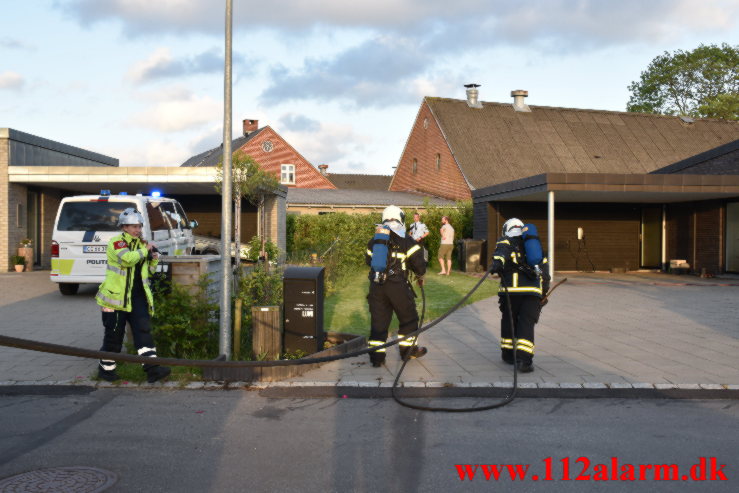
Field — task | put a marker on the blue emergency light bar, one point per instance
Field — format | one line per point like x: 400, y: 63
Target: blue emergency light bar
x: 156, y: 193
x: 103, y: 193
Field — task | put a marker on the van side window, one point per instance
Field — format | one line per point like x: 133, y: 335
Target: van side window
x: 184, y: 223
x: 170, y: 214
x: 156, y: 220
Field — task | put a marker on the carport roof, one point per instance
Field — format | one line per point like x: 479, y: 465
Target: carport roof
x: 607, y: 187
x: 170, y: 180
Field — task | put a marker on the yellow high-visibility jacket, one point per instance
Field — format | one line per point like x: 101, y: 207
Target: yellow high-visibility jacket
x: 125, y: 253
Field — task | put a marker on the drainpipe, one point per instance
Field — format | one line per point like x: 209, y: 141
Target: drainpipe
x: 664, y: 237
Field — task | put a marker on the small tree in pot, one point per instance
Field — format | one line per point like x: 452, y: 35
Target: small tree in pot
x: 19, y: 261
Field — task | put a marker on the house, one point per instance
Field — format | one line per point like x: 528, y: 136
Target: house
x: 274, y: 155
x: 583, y: 177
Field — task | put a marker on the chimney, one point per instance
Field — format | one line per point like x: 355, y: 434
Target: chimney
x: 250, y: 126
x: 472, y: 94
x: 518, y: 103
x: 323, y: 168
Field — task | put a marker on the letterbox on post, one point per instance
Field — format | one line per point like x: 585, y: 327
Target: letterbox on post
x: 303, y: 295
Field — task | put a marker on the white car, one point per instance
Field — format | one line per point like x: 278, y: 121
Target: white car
x: 85, y: 223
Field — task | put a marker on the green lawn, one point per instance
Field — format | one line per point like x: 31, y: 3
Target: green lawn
x: 345, y: 310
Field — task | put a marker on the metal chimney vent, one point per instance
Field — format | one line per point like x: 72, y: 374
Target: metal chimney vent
x: 472, y: 94
x: 518, y: 103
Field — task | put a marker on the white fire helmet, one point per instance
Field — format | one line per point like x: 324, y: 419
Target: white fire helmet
x: 513, y: 227
x: 130, y: 216
x: 393, y: 213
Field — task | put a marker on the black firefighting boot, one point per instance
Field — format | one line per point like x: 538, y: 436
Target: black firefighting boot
x: 108, y: 375
x: 157, y: 373
x: 415, y: 352
x: 524, y: 366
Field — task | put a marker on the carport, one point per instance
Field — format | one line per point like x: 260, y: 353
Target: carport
x: 625, y: 220
x: 192, y: 187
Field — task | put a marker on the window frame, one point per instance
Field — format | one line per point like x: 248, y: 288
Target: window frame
x: 289, y: 172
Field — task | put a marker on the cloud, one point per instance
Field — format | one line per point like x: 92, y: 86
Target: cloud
x: 161, y: 65
x: 372, y: 73
x: 298, y: 123
x: 15, y: 44
x: 11, y: 81
x: 516, y: 21
x: 329, y: 143
x: 176, y: 109
x: 163, y: 152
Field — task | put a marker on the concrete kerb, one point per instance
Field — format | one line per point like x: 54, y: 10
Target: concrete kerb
x: 413, y: 390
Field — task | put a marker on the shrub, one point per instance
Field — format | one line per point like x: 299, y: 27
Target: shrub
x: 260, y: 287
x: 185, y: 325
x: 18, y: 260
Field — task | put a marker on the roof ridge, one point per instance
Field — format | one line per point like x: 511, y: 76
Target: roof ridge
x: 587, y: 110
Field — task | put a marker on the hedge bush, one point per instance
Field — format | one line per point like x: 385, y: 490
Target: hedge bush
x: 339, y: 240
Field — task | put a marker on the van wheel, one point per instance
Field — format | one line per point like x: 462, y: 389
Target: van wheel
x: 68, y: 288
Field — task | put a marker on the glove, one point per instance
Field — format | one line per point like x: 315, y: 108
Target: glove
x: 497, y: 267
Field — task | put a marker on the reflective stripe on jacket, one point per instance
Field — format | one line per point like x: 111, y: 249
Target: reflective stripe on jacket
x: 509, y: 253
x: 125, y: 253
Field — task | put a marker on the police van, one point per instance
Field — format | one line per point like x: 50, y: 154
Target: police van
x: 85, y: 223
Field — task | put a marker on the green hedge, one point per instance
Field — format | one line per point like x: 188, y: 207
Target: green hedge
x: 339, y: 240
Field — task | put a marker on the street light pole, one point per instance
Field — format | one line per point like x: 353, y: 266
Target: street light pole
x: 224, y: 345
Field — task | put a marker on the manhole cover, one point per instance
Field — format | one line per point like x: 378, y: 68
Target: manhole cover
x: 60, y: 479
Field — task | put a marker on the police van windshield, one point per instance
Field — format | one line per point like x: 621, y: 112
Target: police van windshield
x: 91, y: 216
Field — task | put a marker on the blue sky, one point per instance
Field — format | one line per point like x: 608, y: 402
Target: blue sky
x: 141, y: 80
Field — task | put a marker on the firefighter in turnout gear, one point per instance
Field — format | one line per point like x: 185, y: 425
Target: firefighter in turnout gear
x: 518, y: 260
x: 391, y: 254
x: 125, y: 295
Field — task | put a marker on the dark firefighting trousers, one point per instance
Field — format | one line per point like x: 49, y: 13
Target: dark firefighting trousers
x: 526, y: 310
x: 384, y: 300
x: 115, y: 329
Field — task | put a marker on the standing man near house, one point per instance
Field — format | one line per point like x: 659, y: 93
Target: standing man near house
x: 419, y: 232
x: 446, y: 246
x: 125, y: 296
x: 390, y: 253
x: 526, y: 280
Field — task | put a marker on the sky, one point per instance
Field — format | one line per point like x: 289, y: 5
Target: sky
x: 341, y: 81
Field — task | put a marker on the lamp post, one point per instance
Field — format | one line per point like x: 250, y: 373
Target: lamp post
x: 224, y: 345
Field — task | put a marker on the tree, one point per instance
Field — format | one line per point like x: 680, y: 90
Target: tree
x: 703, y: 83
x: 250, y: 182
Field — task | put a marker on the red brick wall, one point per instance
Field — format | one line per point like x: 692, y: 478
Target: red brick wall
x: 306, y: 176
x: 423, y: 145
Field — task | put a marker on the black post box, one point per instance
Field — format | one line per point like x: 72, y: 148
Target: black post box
x: 303, y: 295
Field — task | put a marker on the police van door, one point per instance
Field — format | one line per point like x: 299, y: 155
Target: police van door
x: 178, y: 236
x: 160, y: 228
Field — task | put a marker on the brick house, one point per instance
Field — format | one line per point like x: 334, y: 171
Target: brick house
x: 588, y: 169
x: 273, y: 153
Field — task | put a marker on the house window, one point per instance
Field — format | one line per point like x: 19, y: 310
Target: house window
x: 438, y: 162
x: 287, y: 174
x: 414, y: 169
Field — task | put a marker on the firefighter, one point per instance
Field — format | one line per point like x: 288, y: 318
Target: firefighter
x: 125, y: 295
x: 391, y: 254
x: 527, y: 281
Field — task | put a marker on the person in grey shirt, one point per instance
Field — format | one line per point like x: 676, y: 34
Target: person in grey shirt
x: 419, y: 232
x: 446, y: 247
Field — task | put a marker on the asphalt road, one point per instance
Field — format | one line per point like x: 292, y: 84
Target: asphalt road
x: 222, y: 441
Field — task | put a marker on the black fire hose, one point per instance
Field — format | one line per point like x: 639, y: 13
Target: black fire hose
x: 46, y: 347
x: 507, y: 400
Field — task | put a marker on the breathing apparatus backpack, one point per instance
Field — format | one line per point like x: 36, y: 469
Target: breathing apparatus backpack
x: 380, y: 254
x: 532, y: 245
